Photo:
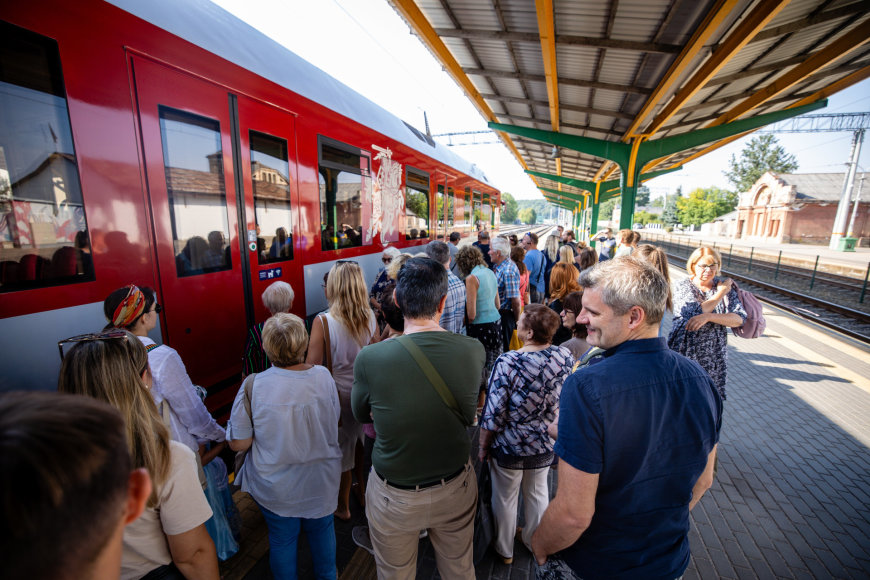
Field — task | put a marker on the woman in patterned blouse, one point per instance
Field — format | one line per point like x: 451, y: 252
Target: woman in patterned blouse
x: 704, y: 306
x: 523, y: 398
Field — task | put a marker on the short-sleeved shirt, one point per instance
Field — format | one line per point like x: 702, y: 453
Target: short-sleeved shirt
x: 645, y: 419
x: 486, y: 291
x: 536, y: 266
x: 419, y: 438
x: 453, y: 317
x: 507, y: 276
x: 181, y: 507
x: 294, y: 465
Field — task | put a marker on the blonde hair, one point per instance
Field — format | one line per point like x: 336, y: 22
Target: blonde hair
x: 349, y: 300
x: 657, y: 257
x: 110, y: 370
x: 700, y: 253
x: 285, y: 340
x: 551, y: 248
x: 396, y: 265
x: 563, y: 280
x: 566, y: 255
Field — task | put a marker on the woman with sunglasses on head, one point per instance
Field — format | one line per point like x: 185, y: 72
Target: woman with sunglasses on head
x: 352, y: 326
x: 169, y: 540
x: 135, y: 310
x: 705, y: 305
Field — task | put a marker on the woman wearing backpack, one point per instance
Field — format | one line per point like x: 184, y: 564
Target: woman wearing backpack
x: 705, y: 305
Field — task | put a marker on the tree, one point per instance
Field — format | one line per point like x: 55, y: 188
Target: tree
x: 704, y: 205
x: 642, y: 197
x: 658, y: 202
x: 669, y: 215
x: 761, y: 154
x: 528, y: 216
x: 509, y: 213
x: 645, y: 217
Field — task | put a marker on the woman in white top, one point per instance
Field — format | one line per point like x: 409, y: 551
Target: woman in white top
x: 136, y: 310
x: 352, y: 326
x: 170, y: 536
x: 294, y: 465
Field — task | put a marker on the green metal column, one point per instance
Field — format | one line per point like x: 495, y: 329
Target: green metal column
x: 593, y: 227
x: 626, y: 211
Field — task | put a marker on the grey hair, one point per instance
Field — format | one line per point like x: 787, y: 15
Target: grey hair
x: 626, y: 282
x: 438, y: 251
x: 278, y: 297
x: 502, y: 246
x: 391, y: 252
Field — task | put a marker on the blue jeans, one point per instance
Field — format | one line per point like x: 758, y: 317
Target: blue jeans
x: 283, y: 537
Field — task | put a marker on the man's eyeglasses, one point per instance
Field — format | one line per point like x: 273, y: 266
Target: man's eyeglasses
x: 712, y: 266
x: 114, y: 334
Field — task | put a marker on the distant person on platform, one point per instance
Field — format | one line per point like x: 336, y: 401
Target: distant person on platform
x: 422, y: 477
x: 607, y: 244
x: 507, y: 277
x: 636, y: 454
x: 569, y: 241
x: 453, y: 246
x: 536, y: 265
x: 69, y: 487
x: 453, y: 317
x: 482, y: 244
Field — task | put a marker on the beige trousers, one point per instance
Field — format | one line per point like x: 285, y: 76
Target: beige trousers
x: 397, y: 516
x: 506, y: 485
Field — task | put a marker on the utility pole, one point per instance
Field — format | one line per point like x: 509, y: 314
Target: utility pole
x: 843, y: 209
x: 851, y: 233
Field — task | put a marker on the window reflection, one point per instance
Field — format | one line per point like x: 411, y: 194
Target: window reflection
x: 43, y: 230
x: 345, y: 182
x: 416, y: 203
x: 193, y: 161
x: 270, y: 172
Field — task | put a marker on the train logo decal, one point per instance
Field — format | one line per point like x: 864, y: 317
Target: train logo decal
x: 387, y: 203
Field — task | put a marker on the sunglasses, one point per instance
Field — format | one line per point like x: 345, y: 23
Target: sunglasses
x: 386, y: 260
x: 114, y: 334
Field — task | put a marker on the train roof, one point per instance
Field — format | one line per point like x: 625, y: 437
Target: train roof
x: 208, y: 26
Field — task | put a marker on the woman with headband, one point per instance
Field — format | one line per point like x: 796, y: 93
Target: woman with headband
x: 136, y: 310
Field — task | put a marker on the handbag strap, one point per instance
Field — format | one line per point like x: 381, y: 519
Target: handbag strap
x: 249, y: 389
x: 327, y: 351
x: 434, y: 377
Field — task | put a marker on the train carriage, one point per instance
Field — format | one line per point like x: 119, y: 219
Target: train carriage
x: 168, y: 144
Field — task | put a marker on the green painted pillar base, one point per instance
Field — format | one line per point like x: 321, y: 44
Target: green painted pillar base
x: 593, y: 226
x: 626, y: 211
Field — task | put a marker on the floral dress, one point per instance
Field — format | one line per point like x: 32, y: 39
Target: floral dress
x: 708, y: 346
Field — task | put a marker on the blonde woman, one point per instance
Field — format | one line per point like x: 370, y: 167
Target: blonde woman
x: 170, y: 536
x: 352, y: 326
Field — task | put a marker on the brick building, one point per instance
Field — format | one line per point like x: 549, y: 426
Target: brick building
x: 797, y: 207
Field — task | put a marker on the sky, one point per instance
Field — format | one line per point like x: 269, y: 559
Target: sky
x: 366, y: 45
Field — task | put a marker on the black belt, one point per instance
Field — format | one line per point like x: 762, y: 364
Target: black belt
x: 422, y: 485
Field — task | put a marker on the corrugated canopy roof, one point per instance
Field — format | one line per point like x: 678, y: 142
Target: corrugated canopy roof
x: 617, y: 69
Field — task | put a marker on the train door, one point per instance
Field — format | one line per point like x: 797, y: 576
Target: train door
x: 207, y: 264
x: 268, y: 158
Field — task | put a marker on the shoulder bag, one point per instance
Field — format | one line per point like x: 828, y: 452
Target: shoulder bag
x: 434, y: 378
x: 327, y: 353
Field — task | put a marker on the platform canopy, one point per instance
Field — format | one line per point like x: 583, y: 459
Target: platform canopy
x: 611, y: 91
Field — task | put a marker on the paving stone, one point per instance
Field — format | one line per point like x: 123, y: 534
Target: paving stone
x: 761, y: 569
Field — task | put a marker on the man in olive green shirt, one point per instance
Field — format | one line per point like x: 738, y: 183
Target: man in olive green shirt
x: 421, y: 476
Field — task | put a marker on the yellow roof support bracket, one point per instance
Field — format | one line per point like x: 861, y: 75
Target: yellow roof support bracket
x: 547, y: 32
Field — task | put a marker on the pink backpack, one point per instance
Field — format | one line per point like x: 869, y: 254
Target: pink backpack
x: 754, y: 325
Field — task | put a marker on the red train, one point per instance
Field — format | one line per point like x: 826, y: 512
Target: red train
x: 168, y: 144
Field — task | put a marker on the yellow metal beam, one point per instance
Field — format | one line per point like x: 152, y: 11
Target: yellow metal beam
x: 632, y: 161
x: 547, y: 33
x: 853, y: 39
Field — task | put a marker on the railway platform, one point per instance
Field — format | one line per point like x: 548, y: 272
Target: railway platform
x: 792, y: 494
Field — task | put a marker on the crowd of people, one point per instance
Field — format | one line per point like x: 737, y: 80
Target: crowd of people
x: 522, y: 341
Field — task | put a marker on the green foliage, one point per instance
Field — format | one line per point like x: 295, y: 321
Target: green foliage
x: 763, y: 153
x: 509, y: 213
x: 645, y: 217
x: 642, y: 197
x: 658, y: 202
x: 670, y: 216
x: 528, y: 216
x: 704, y: 205
x: 417, y: 203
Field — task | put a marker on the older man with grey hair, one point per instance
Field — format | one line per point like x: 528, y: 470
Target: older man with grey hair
x: 636, y: 440
x: 453, y: 317
x: 507, y: 276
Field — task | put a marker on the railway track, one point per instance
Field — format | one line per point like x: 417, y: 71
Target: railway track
x: 848, y: 321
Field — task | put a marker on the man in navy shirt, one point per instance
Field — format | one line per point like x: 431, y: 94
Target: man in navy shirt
x: 637, y: 439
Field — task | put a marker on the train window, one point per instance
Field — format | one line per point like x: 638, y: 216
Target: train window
x: 439, y: 209
x: 193, y: 161
x: 477, y: 212
x: 451, y: 208
x: 270, y: 172
x: 416, y: 202
x: 466, y: 215
x: 43, y: 231
x: 345, y: 182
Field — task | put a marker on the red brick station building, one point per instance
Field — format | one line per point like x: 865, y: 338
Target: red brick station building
x: 798, y: 208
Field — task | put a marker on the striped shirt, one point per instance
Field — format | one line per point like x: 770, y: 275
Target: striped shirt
x: 453, y: 317
x: 508, y: 277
